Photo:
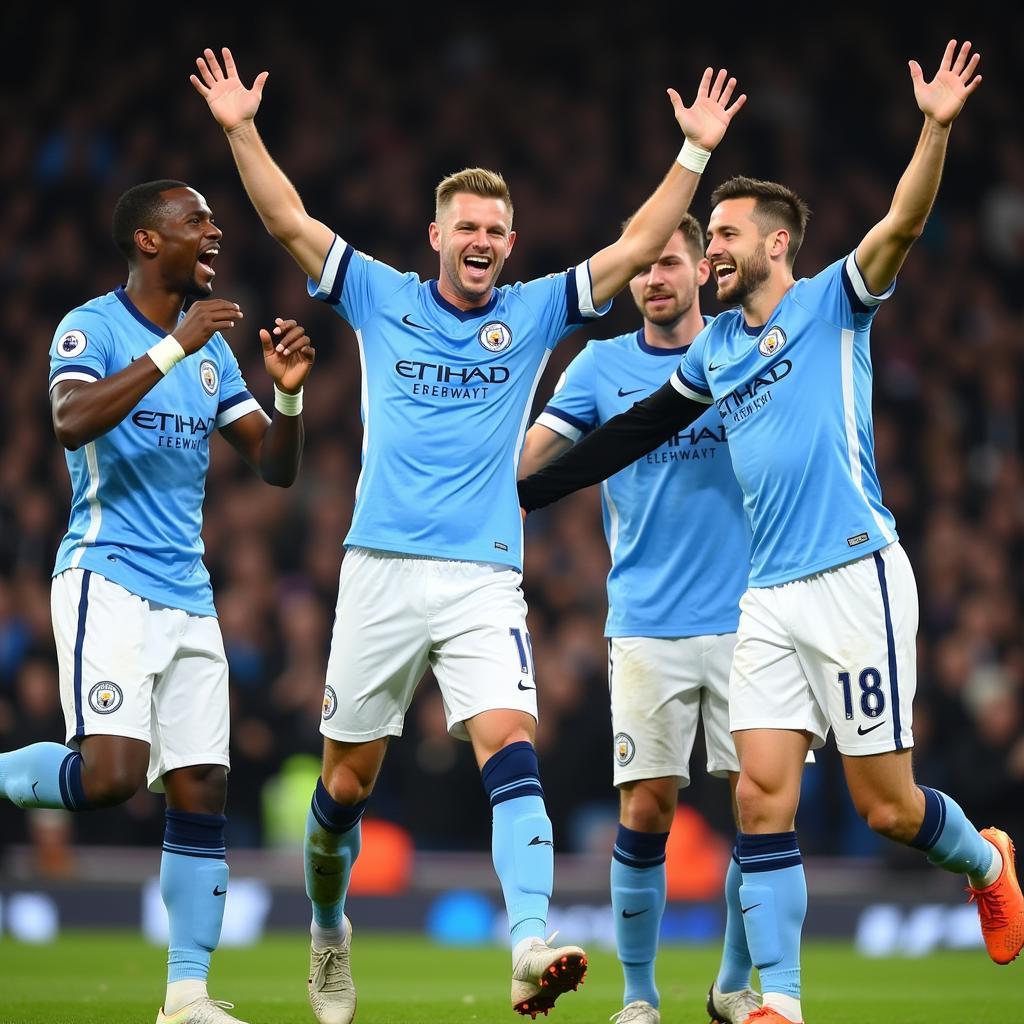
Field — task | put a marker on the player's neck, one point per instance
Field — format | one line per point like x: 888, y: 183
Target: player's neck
x: 156, y: 305
x: 759, y: 305
x: 675, y: 335
x: 456, y: 299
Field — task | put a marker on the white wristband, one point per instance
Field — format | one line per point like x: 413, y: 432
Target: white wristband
x: 288, y: 405
x: 693, y: 157
x: 166, y: 353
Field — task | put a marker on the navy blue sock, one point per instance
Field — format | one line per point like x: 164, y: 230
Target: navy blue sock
x: 773, y: 902
x: 333, y: 840
x: 734, y: 974
x: 194, y: 885
x: 949, y: 839
x: 638, y: 904
x: 522, y: 845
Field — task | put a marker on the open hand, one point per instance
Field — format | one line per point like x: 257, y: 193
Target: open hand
x: 704, y: 123
x: 944, y: 96
x: 230, y: 102
x: 288, y: 354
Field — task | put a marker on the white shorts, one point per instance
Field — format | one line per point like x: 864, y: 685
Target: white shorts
x: 836, y: 649
x: 129, y: 668
x: 399, y: 614
x: 659, y: 687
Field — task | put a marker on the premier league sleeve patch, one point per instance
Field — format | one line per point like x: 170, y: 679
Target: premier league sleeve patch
x: 71, y: 344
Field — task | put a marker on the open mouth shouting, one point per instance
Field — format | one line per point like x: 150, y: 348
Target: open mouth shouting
x: 205, y: 261
x: 477, y: 267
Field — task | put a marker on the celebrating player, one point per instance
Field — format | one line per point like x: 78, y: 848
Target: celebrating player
x: 136, y: 389
x: 673, y: 606
x: 432, y: 573
x: 827, y: 628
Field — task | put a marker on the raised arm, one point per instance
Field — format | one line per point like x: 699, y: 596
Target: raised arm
x: 884, y: 248
x: 704, y: 125
x: 275, y: 198
x: 622, y: 440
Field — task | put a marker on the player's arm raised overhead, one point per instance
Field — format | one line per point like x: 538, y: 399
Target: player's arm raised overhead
x: 275, y: 198
x: 884, y: 248
x: 704, y: 124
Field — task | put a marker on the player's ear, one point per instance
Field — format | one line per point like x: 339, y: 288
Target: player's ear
x: 778, y: 243
x: 511, y: 242
x: 147, y: 241
x: 703, y: 272
x: 434, y: 231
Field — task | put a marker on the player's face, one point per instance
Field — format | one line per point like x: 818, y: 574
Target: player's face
x: 736, y: 251
x: 474, y: 238
x: 666, y: 291
x: 189, y: 243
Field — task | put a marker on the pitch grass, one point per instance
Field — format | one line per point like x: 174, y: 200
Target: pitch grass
x: 105, y: 977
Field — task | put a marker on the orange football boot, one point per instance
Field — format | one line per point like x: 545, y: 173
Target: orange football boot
x: 1001, y: 904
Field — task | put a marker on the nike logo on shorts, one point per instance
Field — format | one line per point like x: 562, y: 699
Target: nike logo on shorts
x: 521, y: 687
x: 861, y: 731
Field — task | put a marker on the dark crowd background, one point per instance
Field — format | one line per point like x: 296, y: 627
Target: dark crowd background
x: 365, y: 119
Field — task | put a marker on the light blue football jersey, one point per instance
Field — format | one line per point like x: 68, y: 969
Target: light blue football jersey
x: 795, y: 396
x: 137, y: 491
x: 674, y: 519
x: 445, y: 402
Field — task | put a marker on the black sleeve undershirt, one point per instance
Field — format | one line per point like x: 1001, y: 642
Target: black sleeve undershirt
x: 613, y: 446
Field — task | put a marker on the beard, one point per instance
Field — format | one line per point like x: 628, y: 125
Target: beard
x: 751, y: 273
x: 671, y: 314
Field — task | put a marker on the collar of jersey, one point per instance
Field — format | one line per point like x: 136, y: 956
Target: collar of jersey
x: 652, y: 351
x: 131, y: 307
x: 462, y: 314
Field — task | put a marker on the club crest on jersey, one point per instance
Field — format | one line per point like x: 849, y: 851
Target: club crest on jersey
x: 208, y: 376
x: 495, y: 336
x: 330, y: 702
x: 105, y: 697
x: 73, y: 344
x: 625, y: 748
x: 772, y: 342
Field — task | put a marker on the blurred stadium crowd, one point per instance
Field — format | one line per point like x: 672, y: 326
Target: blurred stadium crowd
x: 365, y: 124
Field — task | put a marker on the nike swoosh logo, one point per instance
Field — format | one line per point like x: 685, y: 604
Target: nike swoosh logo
x: 521, y: 687
x: 636, y: 913
x: 412, y: 323
x: 622, y: 394
x: 320, y: 871
x: 711, y: 366
x: 861, y: 731
x: 537, y: 841
x: 743, y: 910
x: 34, y: 793
x: 218, y: 891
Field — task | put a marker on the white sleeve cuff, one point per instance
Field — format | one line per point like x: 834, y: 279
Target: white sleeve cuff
x: 860, y: 288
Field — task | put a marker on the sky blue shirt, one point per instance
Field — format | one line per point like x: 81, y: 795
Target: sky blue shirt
x: 795, y: 396
x: 445, y: 402
x: 674, y: 519
x: 137, y: 491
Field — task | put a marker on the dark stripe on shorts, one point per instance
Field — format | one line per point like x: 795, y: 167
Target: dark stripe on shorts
x: 894, y: 686
x: 83, y: 610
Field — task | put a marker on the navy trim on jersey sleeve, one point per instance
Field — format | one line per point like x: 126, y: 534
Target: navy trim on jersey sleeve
x: 230, y: 403
x: 76, y: 368
x: 862, y: 299
x: 573, y: 421
x: 689, y: 384
x: 334, y: 297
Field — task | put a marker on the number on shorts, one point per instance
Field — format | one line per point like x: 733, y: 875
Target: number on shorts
x: 872, y: 699
x: 525, y: 652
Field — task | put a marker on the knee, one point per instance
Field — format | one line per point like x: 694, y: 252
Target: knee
x: 763, y: 806
x: 894, y: 819
x: 111, y: 785
x: 647, y: 808
x: 346, y: 785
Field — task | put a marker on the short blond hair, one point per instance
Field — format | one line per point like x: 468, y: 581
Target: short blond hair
x: 476, y: 181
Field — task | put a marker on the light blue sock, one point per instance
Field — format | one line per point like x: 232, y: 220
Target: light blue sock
x: 638, y: 904
x: 194, y: 885
x: 949, y: 839
x: 734, y: 974
x: 773, y: 902
x: 333, y: 840
x: 43, y: 775
x: 522, y: 846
